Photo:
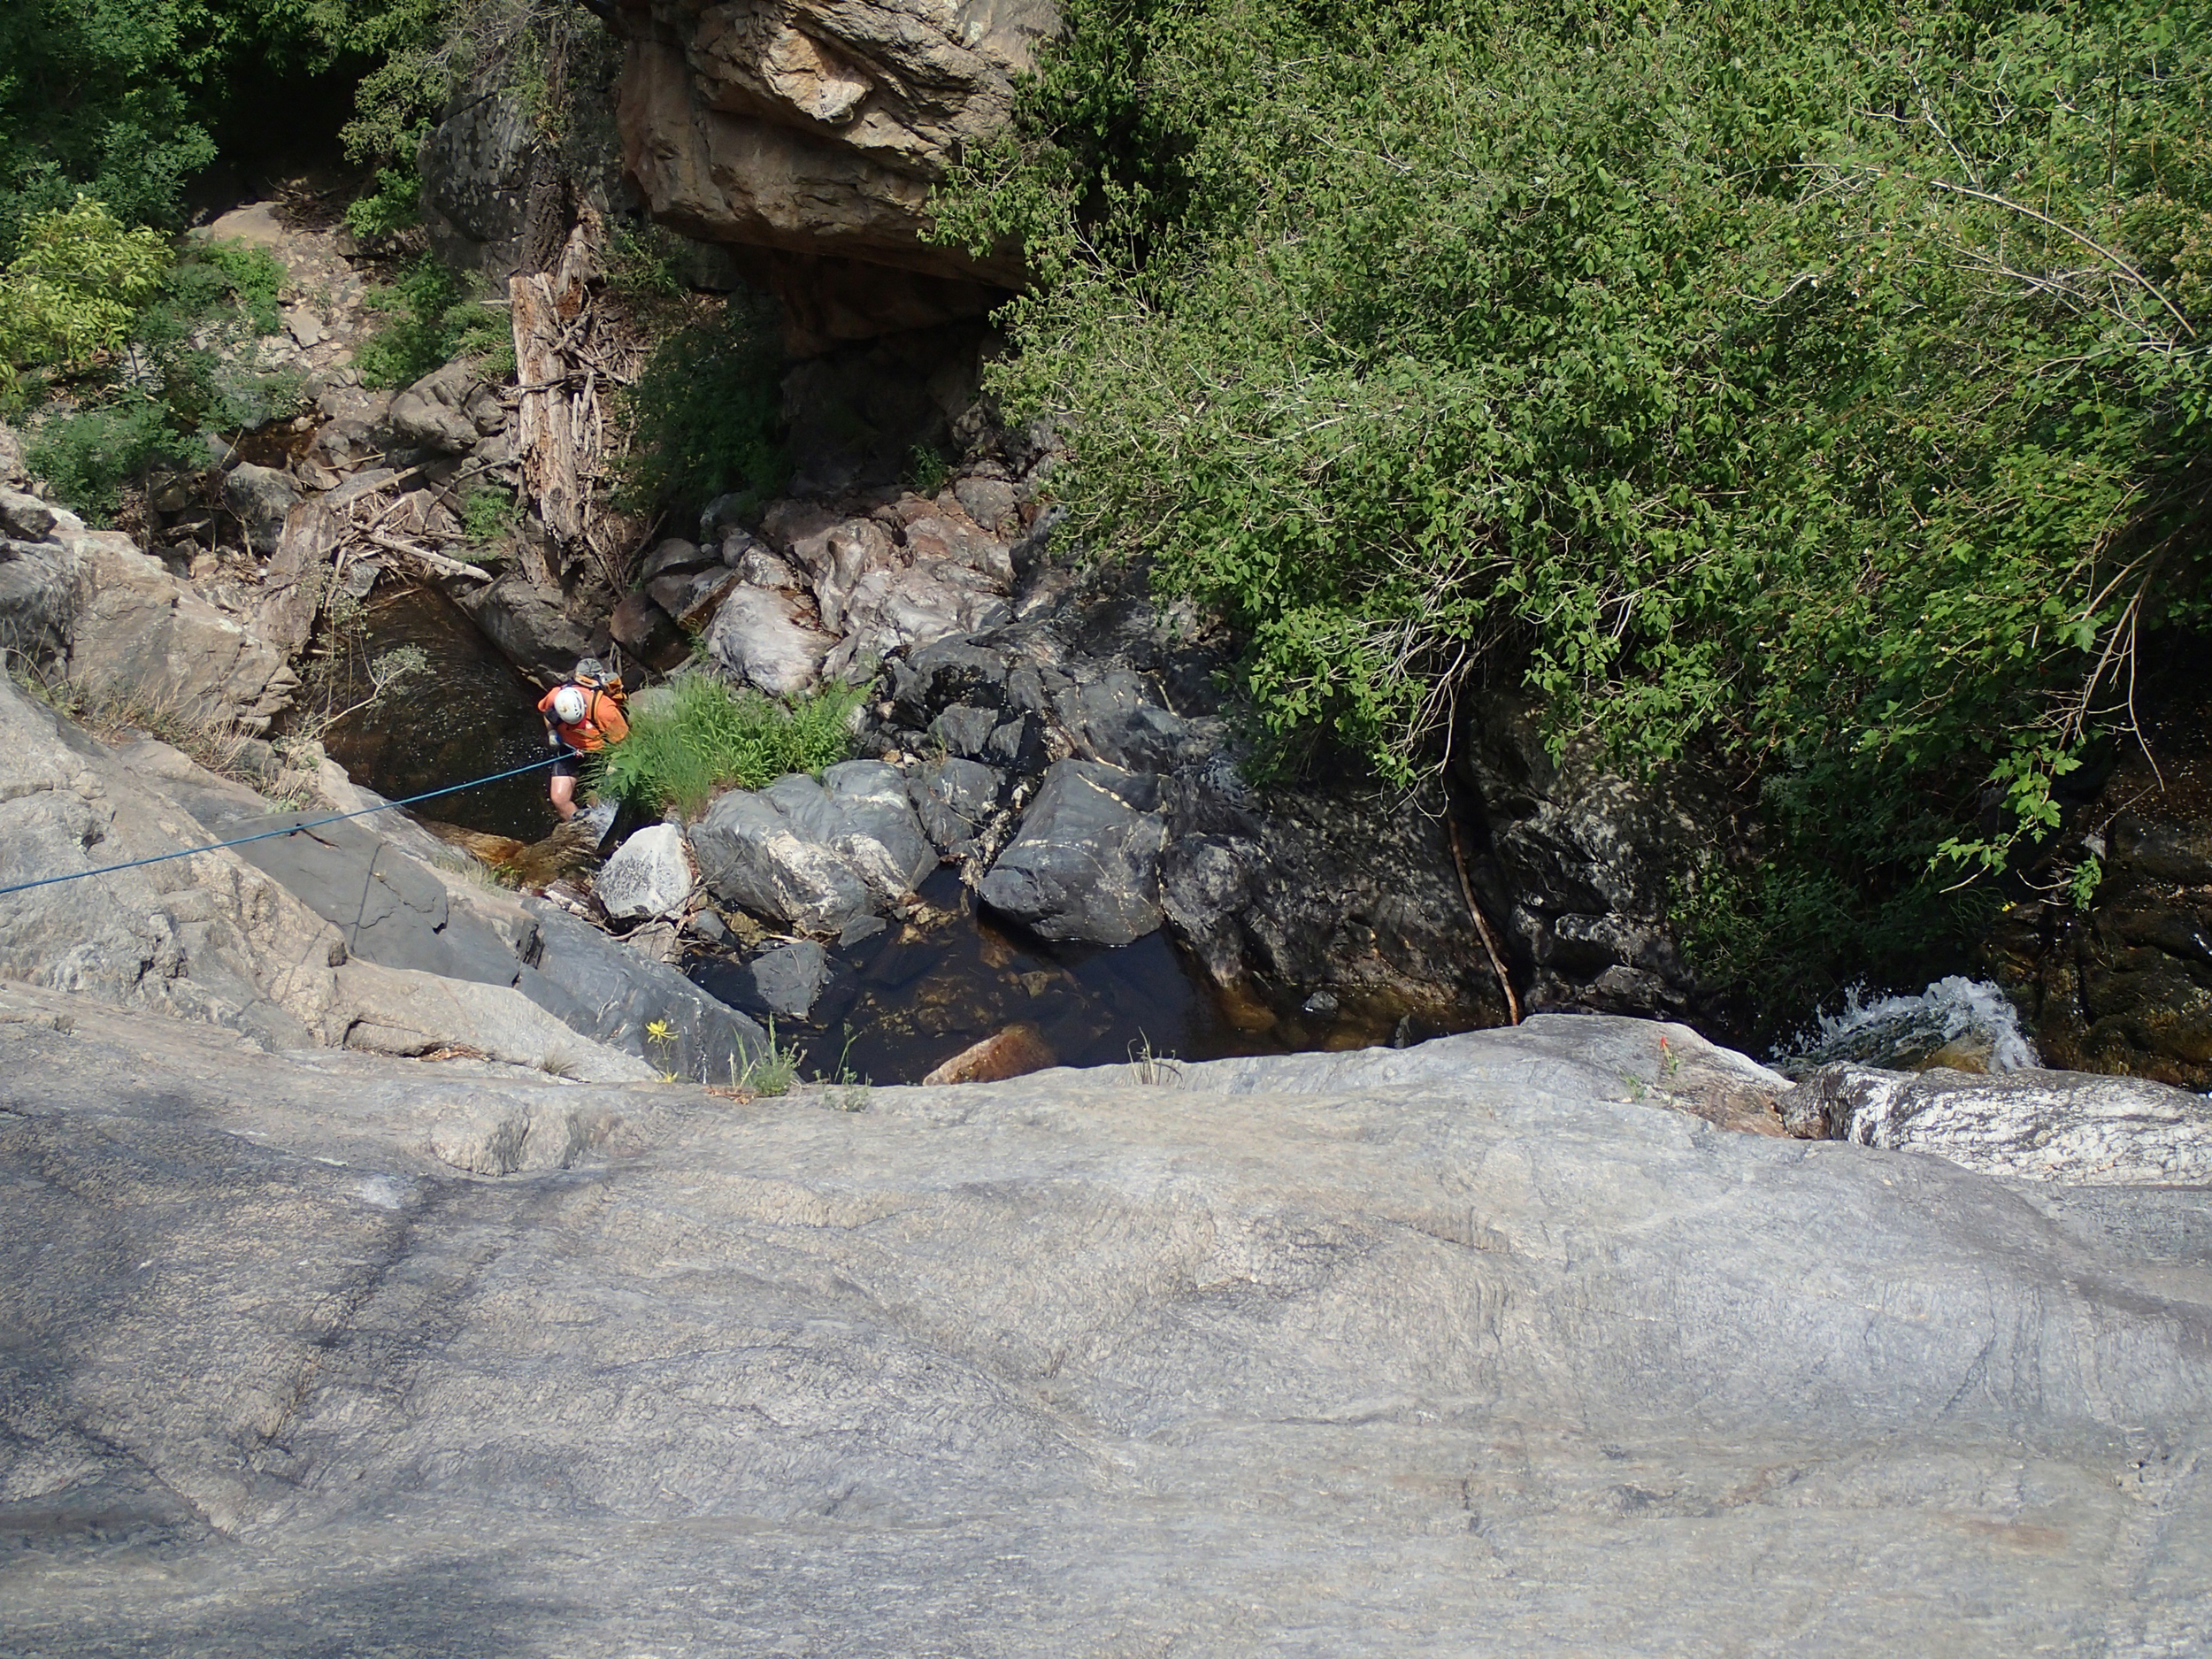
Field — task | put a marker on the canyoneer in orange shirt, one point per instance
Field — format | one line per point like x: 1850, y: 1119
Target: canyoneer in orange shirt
x: 582, y: 714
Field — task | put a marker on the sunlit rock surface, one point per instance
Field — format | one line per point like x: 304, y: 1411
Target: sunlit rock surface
x: 1449, y: 1350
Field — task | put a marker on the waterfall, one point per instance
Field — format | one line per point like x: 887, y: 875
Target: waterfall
x: 1967, y: 1023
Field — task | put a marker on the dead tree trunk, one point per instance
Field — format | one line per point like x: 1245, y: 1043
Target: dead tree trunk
x: 556, y: 420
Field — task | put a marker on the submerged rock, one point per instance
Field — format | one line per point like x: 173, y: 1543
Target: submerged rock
x: 1015, y: 1052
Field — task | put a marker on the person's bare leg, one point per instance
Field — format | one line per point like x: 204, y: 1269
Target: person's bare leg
x: 564, y: 793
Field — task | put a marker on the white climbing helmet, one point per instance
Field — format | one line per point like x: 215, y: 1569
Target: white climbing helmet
x: 568, y: 705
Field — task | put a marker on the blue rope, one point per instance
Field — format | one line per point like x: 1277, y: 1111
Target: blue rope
x: 294, y: 829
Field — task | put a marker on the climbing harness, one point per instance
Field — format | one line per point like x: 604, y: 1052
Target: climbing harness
x: 291, y: 829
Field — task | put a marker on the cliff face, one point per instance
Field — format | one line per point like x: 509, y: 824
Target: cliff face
x: 811, y: 130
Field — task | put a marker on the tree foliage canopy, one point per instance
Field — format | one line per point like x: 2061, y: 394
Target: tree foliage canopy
x: 1820, y: 386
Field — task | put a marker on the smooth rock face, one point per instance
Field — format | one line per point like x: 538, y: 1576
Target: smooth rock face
x: 1087, y: 864
x: 401, y: 1011
x: 353, y: 1354
x: 649, y: 875
x: 2030, y: 1125
x: 612, y: 995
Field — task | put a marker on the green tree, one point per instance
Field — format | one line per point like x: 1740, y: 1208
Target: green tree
x: 1816, y: 388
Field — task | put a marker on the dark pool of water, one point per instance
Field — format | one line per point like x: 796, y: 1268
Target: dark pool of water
x: 897, y: 1005
x: 469, y: 715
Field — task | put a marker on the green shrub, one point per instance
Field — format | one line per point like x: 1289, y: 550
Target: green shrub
x: 391, y: 204
x: 1821, y: 390
x: 187, y: 345
x: 702, y: 736
x: 432, y: 317
x: 706, y: 416
x: 488, y: 513
x: 88, y: 457
x: 74, y: 286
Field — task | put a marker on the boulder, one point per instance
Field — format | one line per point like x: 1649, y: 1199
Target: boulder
x: 954, y: 800
x: 2030, y: 1124
x: 649, y: 875
x: 1119, y: 720
x: 774, y: 852
x: 646, y: 633
x: 787, y: 978
x: 614, y: 997
x: 38, y: 592
x: 139, y: 636
x: 208, y: 937
x: 881, y: 836
x: 262, y: 497
x: 401, y: 1011
x: 1086, y: 861
x: 767, y: 639
x: 12, y: 473
x: 1016, y: 1051
x: 529, y: 625
x: 818, y: 127
x: 434, y: 414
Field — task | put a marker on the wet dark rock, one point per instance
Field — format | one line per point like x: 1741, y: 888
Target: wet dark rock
x: 1586, y: 856
x: 964, y: 731
x: 860, y: 930
x: 477, y: 170
x: 531, y: 628
x: 1117, y: 718
x: 611, y: 994
x: 1086, y: 863
x: 955, y: 799
x: 2125, y: 985
x: 647, y: 633
x: 788, y: 979
x: 261, y: 497
x: 1202, y: 890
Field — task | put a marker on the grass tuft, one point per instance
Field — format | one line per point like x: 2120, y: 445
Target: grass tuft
x: 704, y: 736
